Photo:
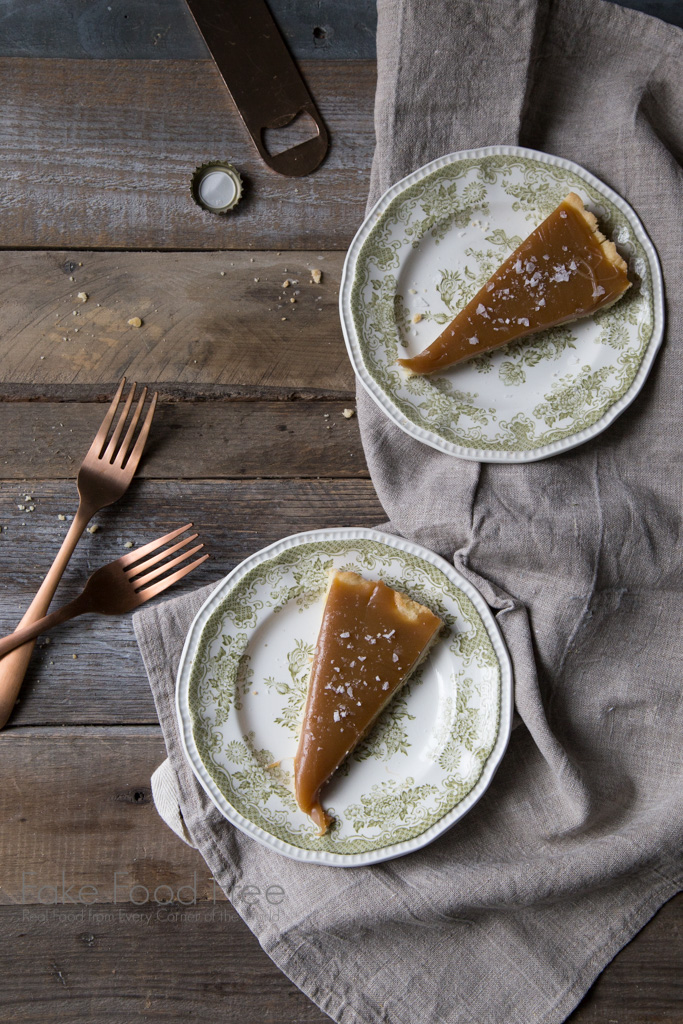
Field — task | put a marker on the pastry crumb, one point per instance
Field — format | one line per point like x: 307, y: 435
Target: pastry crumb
x: 61, y: 518
x: 256, y: 280
x: 348, y: 413
x: 83, y: 296
x: 128, y: 544
x: 286, y: 283
x: 93, y: 529
x: 293, y: 298
x: 135, y: 321
x: 417, y: 318
x: 316, y: 276
x: 222, y: 273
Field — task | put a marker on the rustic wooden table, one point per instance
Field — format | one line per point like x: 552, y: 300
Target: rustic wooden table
x: 107, y: 108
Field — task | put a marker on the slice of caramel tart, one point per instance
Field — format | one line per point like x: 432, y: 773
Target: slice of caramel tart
x: 564, y: 270
x: 370, y: 641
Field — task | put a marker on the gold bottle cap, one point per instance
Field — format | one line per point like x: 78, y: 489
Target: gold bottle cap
x: 216, y: 187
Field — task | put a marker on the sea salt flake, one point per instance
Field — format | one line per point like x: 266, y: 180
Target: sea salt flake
x: 561, y: 274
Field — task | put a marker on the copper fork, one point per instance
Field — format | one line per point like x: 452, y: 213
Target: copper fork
x: 103, y: 478
x: 122, y: 585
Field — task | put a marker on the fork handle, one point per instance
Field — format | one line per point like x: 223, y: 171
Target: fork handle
x: 13, y: 667
x: 25, y: 633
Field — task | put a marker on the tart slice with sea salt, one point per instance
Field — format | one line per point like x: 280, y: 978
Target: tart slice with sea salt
x: 370, y: 641
x: 564, y: 270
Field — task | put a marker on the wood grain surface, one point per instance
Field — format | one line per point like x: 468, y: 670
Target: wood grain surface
x: 213, y: 324
x: 115, y: 966
x: 163, y: 29
x: 108, y: 107
x: 109, y: 958
x: 233, y: 517
x: 100, y: 154
x: 277, y: 440
x: 313, y: 29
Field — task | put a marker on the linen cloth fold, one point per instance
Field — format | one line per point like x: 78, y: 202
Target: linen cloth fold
x: 510, y: 916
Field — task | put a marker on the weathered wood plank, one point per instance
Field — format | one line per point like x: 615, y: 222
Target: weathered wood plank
x: 183, y: 964
x: 76, y: 809
x: 234, y: 519
x: 236, y: 439
x: 71, y: 958
x: 164, y: 30
x: 84, y: 165
x: 202, y: 333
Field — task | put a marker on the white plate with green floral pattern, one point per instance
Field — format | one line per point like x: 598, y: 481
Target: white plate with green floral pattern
x: 429, y: 245
x: 242, y: 684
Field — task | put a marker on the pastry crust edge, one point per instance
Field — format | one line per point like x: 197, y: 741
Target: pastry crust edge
x: 608, y: 247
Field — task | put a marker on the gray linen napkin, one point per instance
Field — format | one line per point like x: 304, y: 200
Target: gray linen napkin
x: 510, y: 916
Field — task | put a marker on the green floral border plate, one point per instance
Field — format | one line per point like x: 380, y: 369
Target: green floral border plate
x: 424, y: 251
x: 242, y: 685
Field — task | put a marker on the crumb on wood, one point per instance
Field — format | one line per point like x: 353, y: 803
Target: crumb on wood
x: 83, y: 296
x: 316, y: 276
x: 61, y: 518
x: 128, y: 545
x: 348, y: 413
x: 135, y: 321
x: 286, y: 283
x: 93, y: 529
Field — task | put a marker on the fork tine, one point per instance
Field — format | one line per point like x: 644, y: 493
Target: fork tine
x: 111, y: 447
x: 101, y: 436
x: 153, y: 545
x: 149, y: 562
x: 132, y: 462
x: 158, y: 588
x: 139, y: 583
x: 123, y: 447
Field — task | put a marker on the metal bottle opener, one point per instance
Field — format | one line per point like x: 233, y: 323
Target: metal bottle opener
x: 261, y: 76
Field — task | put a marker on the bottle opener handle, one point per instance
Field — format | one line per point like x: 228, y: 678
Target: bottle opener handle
x: 261, y: 77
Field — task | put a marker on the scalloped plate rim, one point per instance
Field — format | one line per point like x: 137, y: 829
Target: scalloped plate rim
x: 433, y: 439
x: 323, y: 856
